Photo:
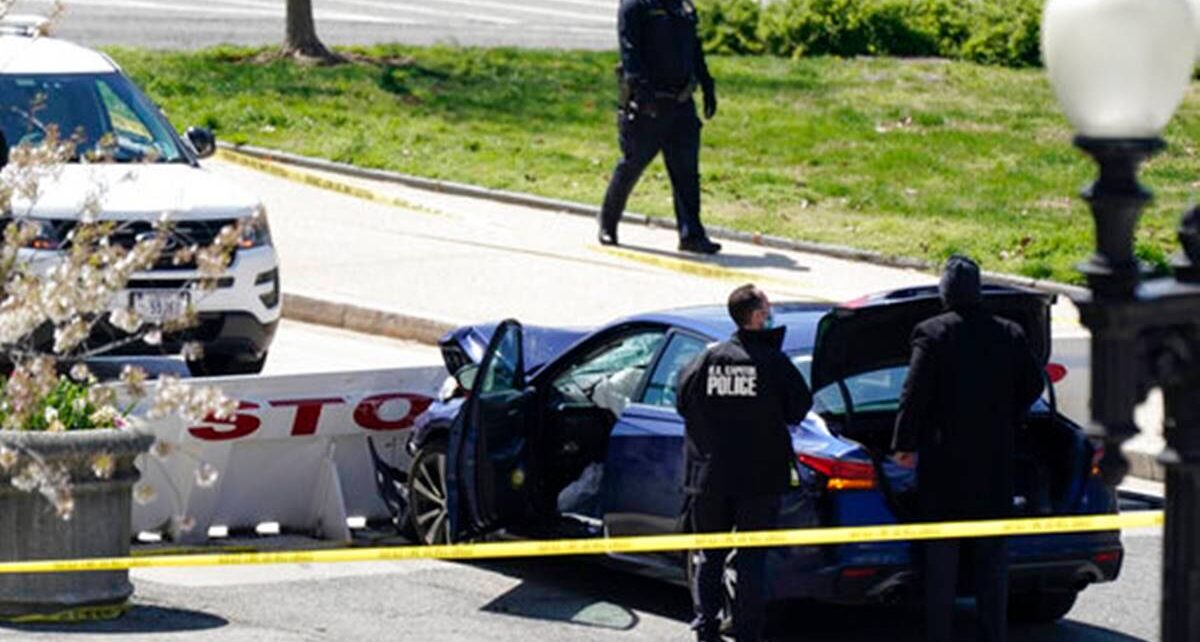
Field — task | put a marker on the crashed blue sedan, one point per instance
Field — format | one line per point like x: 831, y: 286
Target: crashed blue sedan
x: 551, y: 433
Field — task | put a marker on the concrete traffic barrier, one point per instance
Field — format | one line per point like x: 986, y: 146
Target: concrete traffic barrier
x: 295, y: 454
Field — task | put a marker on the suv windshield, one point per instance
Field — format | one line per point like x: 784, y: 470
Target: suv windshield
x: 110, y: 119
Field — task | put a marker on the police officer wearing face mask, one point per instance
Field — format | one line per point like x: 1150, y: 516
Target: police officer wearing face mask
x: 971, y: 380
x: 662, y: 63
x: 738, y: 399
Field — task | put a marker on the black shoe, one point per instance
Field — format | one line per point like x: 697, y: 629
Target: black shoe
x: 607, y: 238
x: 699, y: 246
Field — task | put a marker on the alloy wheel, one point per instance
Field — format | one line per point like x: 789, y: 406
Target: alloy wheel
x: 430, y: 512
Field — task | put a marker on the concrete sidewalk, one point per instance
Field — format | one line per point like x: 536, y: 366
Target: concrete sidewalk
x: 382, y: 258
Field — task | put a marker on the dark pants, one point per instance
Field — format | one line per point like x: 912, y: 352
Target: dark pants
x: 719, y: 515
x: 676, y: 133
x: 988, y: 559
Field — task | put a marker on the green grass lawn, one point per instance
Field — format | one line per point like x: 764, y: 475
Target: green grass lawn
x: 910, y: 158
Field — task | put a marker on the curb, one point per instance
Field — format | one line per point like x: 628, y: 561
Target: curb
x: 344, y: 314
x: 581, y: 209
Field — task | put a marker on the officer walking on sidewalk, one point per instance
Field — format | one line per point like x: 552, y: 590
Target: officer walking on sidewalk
x: 971, y: 380
x: 661, y: 65
x: 738, y: 399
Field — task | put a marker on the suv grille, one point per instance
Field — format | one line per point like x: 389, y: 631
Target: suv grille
x: 182, y: 234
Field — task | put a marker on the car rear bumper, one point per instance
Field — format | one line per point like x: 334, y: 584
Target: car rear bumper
x: 886, y: 573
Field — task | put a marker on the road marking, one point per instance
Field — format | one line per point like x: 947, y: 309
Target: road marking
x: 312, y: 180
x: 609, y: 5
x: 323, y: 14
x: 245, y: 9
x: 524, y: 8
x: 410, y: 8
x: 697, y: 268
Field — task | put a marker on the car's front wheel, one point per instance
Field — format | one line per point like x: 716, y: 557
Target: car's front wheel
x: 429, y: 514
x: 1040, y: 607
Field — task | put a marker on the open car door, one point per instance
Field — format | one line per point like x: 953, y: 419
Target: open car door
x: 488, y: 476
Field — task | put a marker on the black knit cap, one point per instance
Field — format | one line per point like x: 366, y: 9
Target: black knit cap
x: 961, y: 285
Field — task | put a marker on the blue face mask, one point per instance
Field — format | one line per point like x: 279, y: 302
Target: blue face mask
x: 769, y: 322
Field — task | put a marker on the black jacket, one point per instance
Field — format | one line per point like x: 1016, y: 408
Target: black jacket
x: 972, y: 378
x: 738, y: 399
x: 660, y: 50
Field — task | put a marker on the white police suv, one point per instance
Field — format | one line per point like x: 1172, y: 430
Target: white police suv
x: 149, y: 171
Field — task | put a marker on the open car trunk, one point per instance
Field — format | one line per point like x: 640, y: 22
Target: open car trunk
x: 1052, y: 463
x: 859, y: 364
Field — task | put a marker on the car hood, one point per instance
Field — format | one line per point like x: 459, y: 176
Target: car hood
x: 138, y: 192
x: 874, y: 332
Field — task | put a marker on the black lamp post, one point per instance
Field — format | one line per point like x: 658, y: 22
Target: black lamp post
x: 1120, y: 69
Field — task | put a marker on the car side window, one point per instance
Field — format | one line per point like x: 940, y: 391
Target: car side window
x: 664, y: 382
x: 608, y: 376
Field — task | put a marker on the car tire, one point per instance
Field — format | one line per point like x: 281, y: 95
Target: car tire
x: 1040, y: 607
x: 218, y: 365
x: 428, y: 511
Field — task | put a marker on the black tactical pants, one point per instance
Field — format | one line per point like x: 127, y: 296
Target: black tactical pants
x: 676, y: 133
x: 723, y: 514
x: 988, y: 558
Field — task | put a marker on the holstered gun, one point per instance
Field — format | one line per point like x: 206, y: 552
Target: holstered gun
x: 624, y: 89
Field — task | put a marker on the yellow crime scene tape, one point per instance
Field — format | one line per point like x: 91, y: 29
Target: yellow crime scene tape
x: 598, y: 546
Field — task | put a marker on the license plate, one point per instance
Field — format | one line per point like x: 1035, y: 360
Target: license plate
x: 156, y: 307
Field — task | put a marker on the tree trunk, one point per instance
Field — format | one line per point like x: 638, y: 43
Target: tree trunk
x: 301, y: 39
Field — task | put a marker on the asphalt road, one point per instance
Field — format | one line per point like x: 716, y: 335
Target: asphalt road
x: 523, y: 600
x: 189, y: 24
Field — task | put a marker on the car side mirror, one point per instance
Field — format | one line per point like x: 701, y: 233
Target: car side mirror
x: 202, y: 140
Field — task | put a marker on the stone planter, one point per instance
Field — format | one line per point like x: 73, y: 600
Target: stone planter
x: 99, y: 527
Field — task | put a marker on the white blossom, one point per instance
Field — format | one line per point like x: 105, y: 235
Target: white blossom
x: 8, y: 458
x: 162, y: 449
x: 183, y: 523
x: 144, y: 493
x: 125, y: 320
x: 81, y: 373
x: 206, y: 475
x: 103, y: 464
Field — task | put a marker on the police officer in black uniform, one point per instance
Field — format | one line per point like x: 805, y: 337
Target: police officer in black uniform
x: 738, y: 399
x: 972, y: 378
x: 662, y: 63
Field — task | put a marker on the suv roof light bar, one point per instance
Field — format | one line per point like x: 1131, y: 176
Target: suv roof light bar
x: 24, y: 24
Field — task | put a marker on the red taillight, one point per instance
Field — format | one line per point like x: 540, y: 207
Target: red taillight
x: 1107, y: 557
x: 843, y: 475
x: 1056, y: 371
x: 859, y: 573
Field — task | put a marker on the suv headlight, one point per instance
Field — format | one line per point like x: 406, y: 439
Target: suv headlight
x: 255, y: 230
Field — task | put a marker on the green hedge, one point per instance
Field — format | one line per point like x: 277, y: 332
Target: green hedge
x: 998, y: 32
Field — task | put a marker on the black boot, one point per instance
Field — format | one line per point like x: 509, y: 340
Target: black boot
x: 700, y: 245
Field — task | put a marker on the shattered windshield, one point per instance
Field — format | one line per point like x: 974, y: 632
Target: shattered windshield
x: 109, y: 119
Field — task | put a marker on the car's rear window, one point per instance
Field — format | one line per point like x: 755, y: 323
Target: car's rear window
x: 105, y: 114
